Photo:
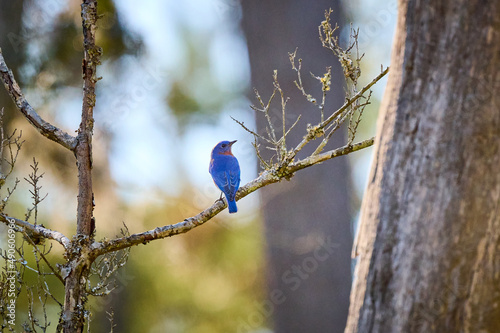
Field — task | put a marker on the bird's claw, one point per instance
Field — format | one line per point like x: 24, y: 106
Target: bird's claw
x: 220, y: 199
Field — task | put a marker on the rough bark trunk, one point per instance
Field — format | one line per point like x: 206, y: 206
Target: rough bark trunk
x: 83, y: 151
x: 312, y: 282
x: 73, y: 318
x: 429, y: 240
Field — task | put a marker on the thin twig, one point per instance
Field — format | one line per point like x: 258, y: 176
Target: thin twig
x: 354, y: 122
x: 105, y: 267
x: 298, y: 82
x: 33, y: 179
x: 263, y: 162
x: 256, y: 135
x: 265, y: 110
x: 56, y: 273
x: 281, y: 143
x: 313, y: 131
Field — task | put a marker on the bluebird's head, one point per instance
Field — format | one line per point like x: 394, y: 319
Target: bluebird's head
x: 223, y: 148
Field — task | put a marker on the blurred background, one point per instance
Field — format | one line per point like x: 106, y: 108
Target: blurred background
x: 174, y: 73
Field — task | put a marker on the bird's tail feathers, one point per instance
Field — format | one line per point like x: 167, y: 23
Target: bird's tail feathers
x: 232, y: 206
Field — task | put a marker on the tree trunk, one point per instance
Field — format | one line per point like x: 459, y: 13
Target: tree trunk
x: 75, y: 293
x: 307, y: 220
x: 74, y: 314
x: 429, y: 240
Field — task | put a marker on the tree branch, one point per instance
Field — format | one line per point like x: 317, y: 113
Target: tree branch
x: 38, y: 230
x: 315, y: 159
x: 313, y: 132
x: 266, y: 178
x: 46, y: 129
x: 349, y: 102
x: 188, y: 224
x: 83, y: 149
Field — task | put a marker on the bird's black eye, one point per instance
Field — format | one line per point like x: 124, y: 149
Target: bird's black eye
x: 224, y: 145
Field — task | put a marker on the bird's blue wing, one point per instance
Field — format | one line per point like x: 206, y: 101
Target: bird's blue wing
x: 234, y: 183
x: 234, y: 178
x: 226, y: 176
x: 228, y: 182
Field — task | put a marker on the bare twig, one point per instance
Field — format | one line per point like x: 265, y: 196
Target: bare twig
x: 354, y: 121
x: 293, y: 125
x: 330, y: 41
x: 29, y: 326
x: 325, y: 81
x: 350, y: 101
x: 313, y: 131
x: 33, y: 180
x: 41, y: 287
x: 105, y: 267
x: 280, y: 145
x: 6, y: 200
x: 42, y: 298
x: 46, y: 129
x: 256, y: 135
x: 263, y: 162
x: 265, y: 109
x: 35, y: 247
x: 347, y: 149
x: 9, y: 142
x: 111, y: 318
x: 298, y: 82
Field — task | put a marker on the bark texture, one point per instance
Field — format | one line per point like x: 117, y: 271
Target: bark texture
x: 313, y: 208
x: 429, y: 239
x: 74, y: 314
x: 83, y: 151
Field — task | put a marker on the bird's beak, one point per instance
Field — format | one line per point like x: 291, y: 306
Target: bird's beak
x: 232, y: 142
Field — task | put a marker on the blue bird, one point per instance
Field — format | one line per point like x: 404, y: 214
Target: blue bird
x: 225, y: 172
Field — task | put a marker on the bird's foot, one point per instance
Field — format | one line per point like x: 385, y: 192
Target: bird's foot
x: 220, y: 199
